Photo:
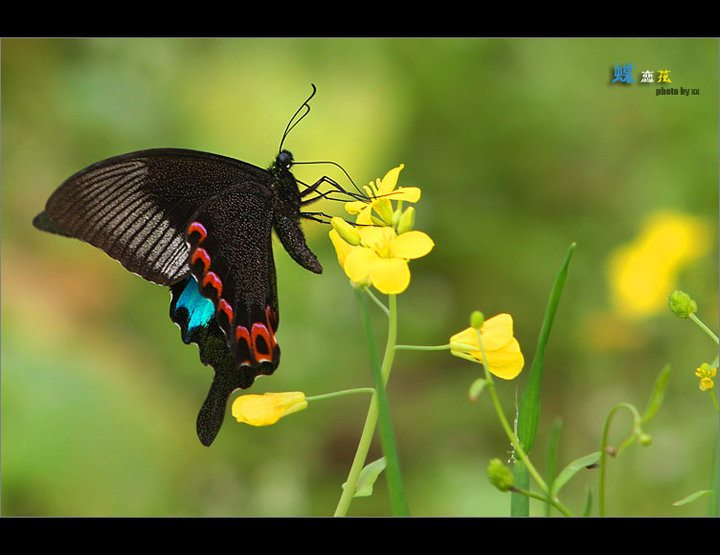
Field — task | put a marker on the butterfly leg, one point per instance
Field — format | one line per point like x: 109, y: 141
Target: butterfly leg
x: 334, y: 184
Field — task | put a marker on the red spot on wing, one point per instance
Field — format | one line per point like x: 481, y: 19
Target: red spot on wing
x: 242, y: 334
x: 211, y: 279
x: 196, y: 228
x: 261, y: 331
x: 272, y: 319
x: 203, y: 256
x: 225, y: 308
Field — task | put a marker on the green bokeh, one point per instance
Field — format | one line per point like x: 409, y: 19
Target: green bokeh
x: 521, y: 146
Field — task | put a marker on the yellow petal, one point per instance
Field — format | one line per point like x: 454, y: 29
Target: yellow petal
x: 506, y: 363
x: 497, y: 331
x: 412, y: 244
x: 388, y: 182
x: 467, y: 336
x: 358, y: 263
x: 409, y: 194
x: 376, y: 237
x: 390, y: 275
x: 356, y: 206
x: 341, y: 247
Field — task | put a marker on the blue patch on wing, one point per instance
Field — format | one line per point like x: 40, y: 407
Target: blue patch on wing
x: 200, y: 309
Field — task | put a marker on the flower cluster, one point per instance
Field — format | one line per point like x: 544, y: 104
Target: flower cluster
x: 706, y: 375
x: 642, y: 271
x: 375, y: 251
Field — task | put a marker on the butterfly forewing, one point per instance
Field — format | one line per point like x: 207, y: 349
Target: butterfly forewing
x: 135, y: 207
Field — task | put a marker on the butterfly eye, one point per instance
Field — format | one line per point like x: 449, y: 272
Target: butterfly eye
x: 285, y: 159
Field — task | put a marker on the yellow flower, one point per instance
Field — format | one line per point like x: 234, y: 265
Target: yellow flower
x: 381, y: 257
x: 505, y: 360
x: 706, y: 374
x: 381, y: 193
x: 266, y: 409
x: 642, y: 272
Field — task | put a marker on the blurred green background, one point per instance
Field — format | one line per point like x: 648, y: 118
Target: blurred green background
x: 521, y: 146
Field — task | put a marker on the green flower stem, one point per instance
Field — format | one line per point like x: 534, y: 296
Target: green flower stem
x: 340, y: 393
x: 359, y: 460
x: 519, y: 452
x: 377, y: 301
x: 544, y: 498
x: 637, y: 419
x: 704, y: 327
x: 378, y: 409
x: 387, y: 436
x: 503, y: 421
x: 714, y: 399
x: 425, y: 347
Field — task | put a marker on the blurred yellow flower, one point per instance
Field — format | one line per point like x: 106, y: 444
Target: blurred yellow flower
x: 380, y: 194
x: 381, y: 256
x: 502, y: 350
x: 644, y: 271
x: 706, y: 375
x: 266, y: 409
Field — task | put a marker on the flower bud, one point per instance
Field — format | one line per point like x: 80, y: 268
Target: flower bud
x: 268, y: 408
x: 348, y: 233
x: 499, y: 475
x: 682, y: 304
x: 407, y: 220
x: 477, y: 319
x: 396, y: 218
x: 645, y: 439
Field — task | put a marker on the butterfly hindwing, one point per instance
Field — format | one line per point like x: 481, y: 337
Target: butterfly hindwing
x: 230, y: 240
x: 195, y: 315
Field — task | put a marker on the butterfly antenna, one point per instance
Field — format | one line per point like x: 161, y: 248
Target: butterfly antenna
x: 305, y: 109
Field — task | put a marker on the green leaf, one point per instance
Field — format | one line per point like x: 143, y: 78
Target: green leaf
x: 573, y: 468
x: 368, y: 476
x: 692, y: 497
x: 551, y: 457
x: 588, y: 502
x: 529, y: 408
x: 658, y: 392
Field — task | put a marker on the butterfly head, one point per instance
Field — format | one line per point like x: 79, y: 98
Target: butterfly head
x: 284, y: 160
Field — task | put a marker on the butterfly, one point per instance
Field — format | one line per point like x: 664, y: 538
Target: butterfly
x: 201, y: 224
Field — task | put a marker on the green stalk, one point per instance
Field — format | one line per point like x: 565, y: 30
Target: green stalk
x: 703, y: 327
x: 340, y: 393
x: 359, y: 459
x: 387, y: 436
x: 519, y: 451
x: 637, y: 419
x: 378, y: 409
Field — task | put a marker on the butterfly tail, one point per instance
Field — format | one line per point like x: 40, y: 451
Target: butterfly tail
x: 212, y: 412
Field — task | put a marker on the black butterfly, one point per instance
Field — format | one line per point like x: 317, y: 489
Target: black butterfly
x: 200, y: 223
